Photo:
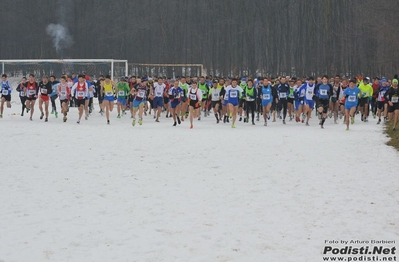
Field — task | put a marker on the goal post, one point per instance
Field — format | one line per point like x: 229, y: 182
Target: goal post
x: 40, y: 67
x: 172, y: 70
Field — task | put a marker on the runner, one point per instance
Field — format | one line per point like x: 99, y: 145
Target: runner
x: 45, y: 89
x: 376, y: 85
x: 290, y: 98
x: 241, y: 106
x: 6, y: 90
x: 89, y: 98
x: 133, y: 89
x: 250, y: 95
x: 283, y: 90
x: 53, y: 96
x: 204, y: 88
x: 79, y: 92
x: 341, y: 98
x: 166, y: 102
x: 267, y: 99
x: 392, y: 96
x: 225, y: 97
x: 309, y: 102
x: 216, y: 104
x: 351, y: 94
x: 234, y: 93
x: 100, y: 93
x: 108, y: 87
x: 382, y: 103
x: 184, y: 106
x: 366, y: 93
x: 31, y: 92
x: 123, y: 92
x: 175, y: 94
x: 158, y: 92
x: 139, y: 100
x: 22, y: 96
x: 334, y: 102
x: 323, y: 93
x: 195, y: 97
x: 299, y: 101
x: 64, y: 93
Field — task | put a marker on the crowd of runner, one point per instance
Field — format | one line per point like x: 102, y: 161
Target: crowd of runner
x: 250, y: 100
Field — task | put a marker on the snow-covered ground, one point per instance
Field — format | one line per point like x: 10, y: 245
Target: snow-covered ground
x: 93, y: 192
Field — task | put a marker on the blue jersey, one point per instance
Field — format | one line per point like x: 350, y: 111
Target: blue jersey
x: 300, y: 93
x: 233, y: 94
x: 324, y: 91
x: 5, y: 88
x: 283, y: 90
x: 351, y: 96
x: 175, y: 93
x: 267, y: 94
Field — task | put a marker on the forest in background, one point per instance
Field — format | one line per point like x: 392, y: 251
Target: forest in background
x: 240, y: 37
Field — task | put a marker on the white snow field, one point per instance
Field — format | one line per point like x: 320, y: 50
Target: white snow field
x: 93, y: 192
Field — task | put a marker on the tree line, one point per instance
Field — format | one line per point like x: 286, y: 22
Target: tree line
x: 229, y: 37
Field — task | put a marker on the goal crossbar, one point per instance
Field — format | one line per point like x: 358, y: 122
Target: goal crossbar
x: 61, y: 61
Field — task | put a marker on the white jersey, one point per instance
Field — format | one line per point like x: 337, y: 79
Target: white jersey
x: 226, y: 95
x: 215, y: 92
x: 159, y: 89
x: 63, y: 91
x: 309, y: 91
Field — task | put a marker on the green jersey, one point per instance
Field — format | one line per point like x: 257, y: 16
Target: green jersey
x: 204, y: 89
x: 123, y: 90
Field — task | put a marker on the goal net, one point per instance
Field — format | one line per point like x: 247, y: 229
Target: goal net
x: 169, y: 70
x: 91, y: 67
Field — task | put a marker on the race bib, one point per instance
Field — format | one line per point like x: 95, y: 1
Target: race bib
x: 323, y: 92
x: 109, y: 93
x: 352, y: 98
x: 121, y: 93
x: 63, y: 93
x: 5, y: 92
x: 233, y: 94
x: 216, y: 95
x: 310, y: 92
x: 31, y: 92
x: 43, y: 91
x: 193, y: 96
x: 159, y: 93
x: 394, y: 99
x: 81, y: 94
x: 22, y: 93
x: 283, y: 95
x: 141, y: 94
x: 266, y: 96
x: 250, y: 99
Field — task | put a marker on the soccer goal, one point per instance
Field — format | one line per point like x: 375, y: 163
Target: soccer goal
x: 169, y: 70
x: 57, y: 67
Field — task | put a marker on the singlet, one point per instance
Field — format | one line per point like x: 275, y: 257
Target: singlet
x: 309, y: 91
x: 63, y: 91
x: 159, y: 89
x: 215, y: 92
x: 81, y: 91
x: 108, y: 90
x: 31, y: 89
x: 141, y: 93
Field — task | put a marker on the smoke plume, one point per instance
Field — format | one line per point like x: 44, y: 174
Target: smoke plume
x: 61, y: 37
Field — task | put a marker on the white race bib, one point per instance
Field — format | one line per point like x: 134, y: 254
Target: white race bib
x: 351, y: 98
x: 141, y: 94
x: 43, y: 91
x: 121, y: 93
x: 63, y: 93
x: 22, y: 93
x: 233, y: 94
x: 193, y: 96
x: 5, y: 92
x: 323, y: 92
x: 109, y: 93
x: 81, y: 94
x: 31, y: 92
x: 283, y: 95
x: 266, y: 96
x: 216, y: 95
x: 159, y: 93
x: 394, y: 99
x: 310, y: 92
